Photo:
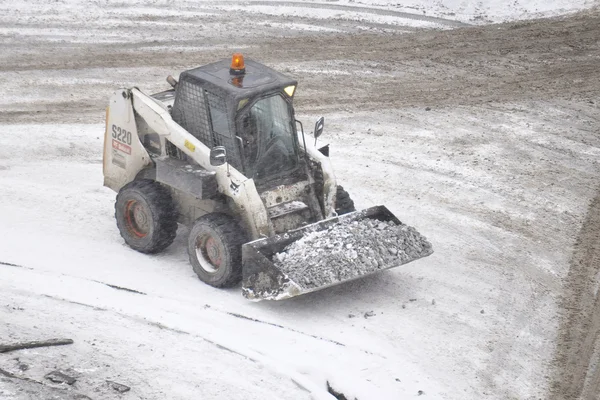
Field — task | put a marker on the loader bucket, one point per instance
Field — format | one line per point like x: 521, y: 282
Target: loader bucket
x: 327, y: 253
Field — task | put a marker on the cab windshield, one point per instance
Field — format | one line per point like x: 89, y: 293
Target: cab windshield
x: 267, y: 134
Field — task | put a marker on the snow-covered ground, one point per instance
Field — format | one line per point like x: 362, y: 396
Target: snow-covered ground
x: 58, y: 226
x: 473, y: 12
x: 73, y: 250
x: 497, y: 171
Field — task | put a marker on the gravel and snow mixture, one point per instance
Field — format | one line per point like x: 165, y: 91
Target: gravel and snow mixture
x: 348, y: 250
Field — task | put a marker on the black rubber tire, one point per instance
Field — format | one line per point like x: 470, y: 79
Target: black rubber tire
x: 146, y: 216
x: 226, y: 249
x: 343, y: 203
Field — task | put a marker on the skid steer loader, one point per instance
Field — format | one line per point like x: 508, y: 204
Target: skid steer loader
x: 222, y: 153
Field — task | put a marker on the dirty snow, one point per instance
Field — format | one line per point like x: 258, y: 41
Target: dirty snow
x: 482, y: 11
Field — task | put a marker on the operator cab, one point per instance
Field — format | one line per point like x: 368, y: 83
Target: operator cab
x: 246, y: 108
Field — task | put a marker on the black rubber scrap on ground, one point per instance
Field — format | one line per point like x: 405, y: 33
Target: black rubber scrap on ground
x: 336, y: 394
x: 13, y: 265
x: 4, y: 348
x: 122, y: 288
x: 9, y: 264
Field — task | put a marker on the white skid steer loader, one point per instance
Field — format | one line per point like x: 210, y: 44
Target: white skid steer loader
x: 221, y: 153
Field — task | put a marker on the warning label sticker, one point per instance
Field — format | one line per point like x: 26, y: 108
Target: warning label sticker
x: 121, y: 147
x: 119, y: 160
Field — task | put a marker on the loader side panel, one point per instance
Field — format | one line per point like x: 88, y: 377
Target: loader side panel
x: 124, y: 155
x: 188, y: 178
x: 191, y: 208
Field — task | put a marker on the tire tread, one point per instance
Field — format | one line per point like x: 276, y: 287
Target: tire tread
x: 233, y: 238
x: 163, y: 211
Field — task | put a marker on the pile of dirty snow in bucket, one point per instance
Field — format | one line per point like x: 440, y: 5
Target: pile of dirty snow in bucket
x: 348, y: 250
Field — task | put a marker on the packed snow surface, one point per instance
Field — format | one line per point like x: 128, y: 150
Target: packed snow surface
x: 350, y: 249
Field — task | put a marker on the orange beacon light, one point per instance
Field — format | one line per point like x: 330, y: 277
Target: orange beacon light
x: 237, y: 64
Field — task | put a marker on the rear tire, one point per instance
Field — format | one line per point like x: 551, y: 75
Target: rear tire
x: 215, y: 250
x: 343, y: 203
x: 146, y: 216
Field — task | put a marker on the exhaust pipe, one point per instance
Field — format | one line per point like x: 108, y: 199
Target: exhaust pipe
x: 172, y: 81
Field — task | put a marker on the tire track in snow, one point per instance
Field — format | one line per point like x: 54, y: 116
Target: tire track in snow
x: 206, y: 306
x: 318, y: 392
x: 313, y: 381
x: 366, y: 10
x: 281, y: 369
x: 334, y: 24
x: 121, y: 288
x: 577, y: 375
x: 282, y: 327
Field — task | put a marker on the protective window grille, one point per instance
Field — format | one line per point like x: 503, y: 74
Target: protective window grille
x: 218, y: 119
x: 191, y: 113
x: 204, y: 115
x: 221, y: 129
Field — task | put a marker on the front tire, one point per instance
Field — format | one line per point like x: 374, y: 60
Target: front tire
x: 146, y: 216
x: 215, y: 249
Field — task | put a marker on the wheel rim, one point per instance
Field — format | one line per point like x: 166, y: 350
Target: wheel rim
x: 209, y: 253
x: 137, y: 219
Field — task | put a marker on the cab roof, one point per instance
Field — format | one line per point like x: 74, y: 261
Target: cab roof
x: 257, y: 79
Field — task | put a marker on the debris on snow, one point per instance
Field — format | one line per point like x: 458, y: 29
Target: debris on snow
x: 7, y: 373
x: 335, y: 393
x: 4, y: 348
x: 60, y: 377
x: 21, y: 365
x: 369, y: 314
x: 350, y: 249
x: 119, y: 387
x: 121, y: 288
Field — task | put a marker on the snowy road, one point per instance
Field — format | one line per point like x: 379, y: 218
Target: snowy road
x: 484, y: 138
